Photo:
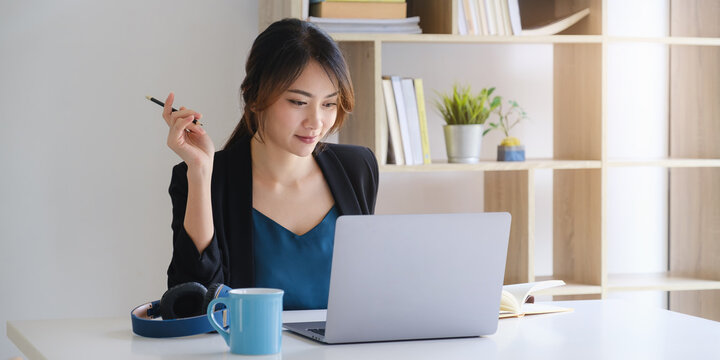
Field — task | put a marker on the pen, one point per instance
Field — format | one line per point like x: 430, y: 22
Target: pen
x: 195, y: 121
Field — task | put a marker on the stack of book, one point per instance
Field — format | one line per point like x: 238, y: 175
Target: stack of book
x: 359, y: 16
x: 407, y: 121
x: 502, y: 17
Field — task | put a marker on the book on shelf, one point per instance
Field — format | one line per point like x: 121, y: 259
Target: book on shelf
x: 402, y: 119
x: 514, y: 13
x: 413, y: 120
x: 407, y: 121
x: 470, y: 17
x: 422, y: 117
x: 474, y: 18
x: 490, y: 16
x: 503, y: 17
x: 395, y: 147
x: 518, y: 300
x: 359, y: 10
x: 409, y: 25
x: 482, y: 17
x: 461, y: 22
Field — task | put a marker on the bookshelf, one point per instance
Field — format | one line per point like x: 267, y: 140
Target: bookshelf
x: 580, y: 162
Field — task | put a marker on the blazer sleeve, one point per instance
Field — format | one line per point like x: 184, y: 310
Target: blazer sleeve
x: 187, y: 263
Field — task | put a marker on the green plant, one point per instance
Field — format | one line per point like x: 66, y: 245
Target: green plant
x: 507, y: 120
x: 463, y: 108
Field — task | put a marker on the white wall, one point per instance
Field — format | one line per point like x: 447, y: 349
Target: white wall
x: 84, y: 170
x: 84, y: 210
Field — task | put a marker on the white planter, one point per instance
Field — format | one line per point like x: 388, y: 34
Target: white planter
x: 463, y: 143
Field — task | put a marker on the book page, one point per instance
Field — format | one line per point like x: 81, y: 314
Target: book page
x: 534, y: 309
x: 514, y: 295
x: 521, y: 291
x: 540, y: 308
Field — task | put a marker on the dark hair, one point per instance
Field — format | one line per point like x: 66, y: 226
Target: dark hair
x: 277, y: 58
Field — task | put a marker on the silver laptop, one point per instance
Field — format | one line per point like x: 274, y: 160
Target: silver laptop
x: 405, y: 277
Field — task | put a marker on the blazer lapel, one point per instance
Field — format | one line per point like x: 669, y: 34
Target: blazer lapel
x: 337, y: 180
x: 238, y: 208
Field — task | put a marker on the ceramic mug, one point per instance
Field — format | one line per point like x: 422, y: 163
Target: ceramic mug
x: 255, y: 317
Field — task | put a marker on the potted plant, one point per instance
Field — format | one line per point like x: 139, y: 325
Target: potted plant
x: 465, y: 115
x: 510, y: 149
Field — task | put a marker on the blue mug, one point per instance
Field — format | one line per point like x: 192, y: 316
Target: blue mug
x: 255, y: 318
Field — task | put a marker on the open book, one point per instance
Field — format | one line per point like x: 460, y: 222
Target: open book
x: 514, y: 301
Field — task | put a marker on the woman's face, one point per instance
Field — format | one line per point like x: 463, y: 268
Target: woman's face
x: 303, y: 114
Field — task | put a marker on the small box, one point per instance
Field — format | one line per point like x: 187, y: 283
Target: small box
x: 511, y: 153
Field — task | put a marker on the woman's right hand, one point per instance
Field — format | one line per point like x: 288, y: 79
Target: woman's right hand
x: 188, y: 140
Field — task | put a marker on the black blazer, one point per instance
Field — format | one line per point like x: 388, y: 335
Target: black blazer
x: 350, y: 171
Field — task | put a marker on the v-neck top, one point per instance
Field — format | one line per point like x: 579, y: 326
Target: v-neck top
x: 351, y: 173
x: 297, y: 264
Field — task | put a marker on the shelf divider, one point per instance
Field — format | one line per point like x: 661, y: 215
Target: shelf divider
x: 366, y: 125
x: 513, y: 191
x: 577, y: 231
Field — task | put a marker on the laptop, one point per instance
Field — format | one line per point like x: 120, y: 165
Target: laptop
x: 409, y: 277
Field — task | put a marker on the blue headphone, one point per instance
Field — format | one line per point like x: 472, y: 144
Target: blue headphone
x: 183, y: 310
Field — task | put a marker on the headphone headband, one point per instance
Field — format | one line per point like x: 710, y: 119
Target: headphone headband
x: 146, y: 320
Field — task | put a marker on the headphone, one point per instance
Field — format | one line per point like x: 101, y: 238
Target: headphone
x: 183, y: 310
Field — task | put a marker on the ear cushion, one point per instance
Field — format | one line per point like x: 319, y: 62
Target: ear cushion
x: 183, y: 300
x: 214, y: 291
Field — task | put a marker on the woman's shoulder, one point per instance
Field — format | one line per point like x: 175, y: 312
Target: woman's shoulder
x: 356, y: 162
x: 348, y: 153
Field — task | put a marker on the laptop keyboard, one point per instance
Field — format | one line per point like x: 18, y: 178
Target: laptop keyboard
x: 318, y: 331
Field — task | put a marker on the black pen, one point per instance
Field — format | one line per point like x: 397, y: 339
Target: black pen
x: 195, y: 121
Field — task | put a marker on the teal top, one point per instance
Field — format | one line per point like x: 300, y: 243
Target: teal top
x: 298, y: 264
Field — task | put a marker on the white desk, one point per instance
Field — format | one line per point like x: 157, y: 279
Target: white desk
x: 604, y: 329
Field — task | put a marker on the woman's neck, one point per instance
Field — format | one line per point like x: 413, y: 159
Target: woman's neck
x: 272, y: 164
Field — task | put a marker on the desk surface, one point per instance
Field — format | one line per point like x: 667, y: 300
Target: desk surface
x: 606, y: 329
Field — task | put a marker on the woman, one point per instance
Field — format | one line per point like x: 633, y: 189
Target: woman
x: 261, y: 212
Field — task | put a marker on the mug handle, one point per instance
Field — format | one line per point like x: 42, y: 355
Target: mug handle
x: 210, y: 315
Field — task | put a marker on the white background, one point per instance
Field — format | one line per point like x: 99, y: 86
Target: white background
x: 84, y: 170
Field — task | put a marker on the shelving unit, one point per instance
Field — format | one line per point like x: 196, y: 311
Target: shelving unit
x: 580, y: 164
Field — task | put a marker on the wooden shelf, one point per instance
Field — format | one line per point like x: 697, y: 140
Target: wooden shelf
x: 668, y: 163
x: 658, y: 282
x: 441, y: 165
x: 672, y: 40
x: 570, y: 288
x: 550, y: 39
x: 464, y: 39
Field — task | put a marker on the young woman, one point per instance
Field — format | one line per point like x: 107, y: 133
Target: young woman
x: 261, y: 212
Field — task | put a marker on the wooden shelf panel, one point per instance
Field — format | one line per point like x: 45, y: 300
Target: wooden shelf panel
x: 464, y: 39
x: 658, y: 282
x: 550, y: 39
x: 442, y: 165
x: 669, y: 163
x: 671, y: 40
x: 570, y: 288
